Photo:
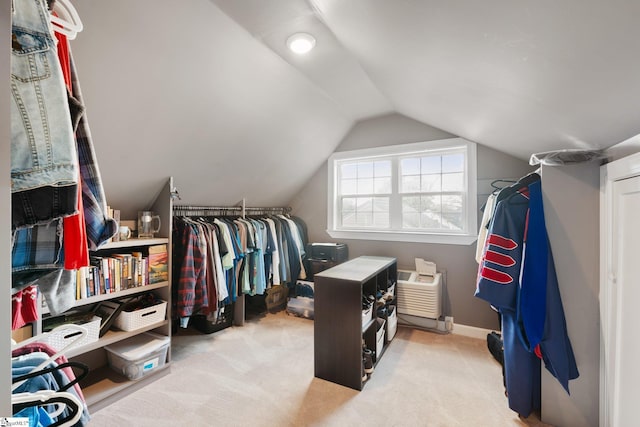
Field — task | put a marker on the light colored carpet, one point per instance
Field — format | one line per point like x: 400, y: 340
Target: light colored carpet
x: 261, y: 374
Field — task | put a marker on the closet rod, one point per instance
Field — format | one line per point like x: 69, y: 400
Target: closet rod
x: 204, y: 210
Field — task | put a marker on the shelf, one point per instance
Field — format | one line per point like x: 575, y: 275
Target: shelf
x: 115, y: 295
x: 112, y: 337
x: 132, y: 243
x: 103, y: 384
x: 338, y: 328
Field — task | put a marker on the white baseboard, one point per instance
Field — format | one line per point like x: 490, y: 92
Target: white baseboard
x: 470, y: 331
x: 440, y: 326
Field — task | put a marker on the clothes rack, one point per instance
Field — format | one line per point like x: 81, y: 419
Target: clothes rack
x: 240, y: 210
x: 243, y: 211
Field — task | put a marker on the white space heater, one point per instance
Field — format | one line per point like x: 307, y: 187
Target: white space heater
x: 419, y: 292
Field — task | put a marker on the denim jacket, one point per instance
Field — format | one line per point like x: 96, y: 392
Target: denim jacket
x: 44, y: 170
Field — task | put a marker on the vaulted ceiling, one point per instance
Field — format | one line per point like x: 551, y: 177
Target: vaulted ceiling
x: 207, y: 92
x: 521, y: 77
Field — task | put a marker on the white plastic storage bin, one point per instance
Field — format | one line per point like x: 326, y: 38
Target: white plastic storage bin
x: 367, y: 315
x: 301, y: 307
x: 139, y: 355
x: 392, y: 323
x: 380, y: 337
x: 60, y: 338
x: 136, y: 319
x: 392, y: 289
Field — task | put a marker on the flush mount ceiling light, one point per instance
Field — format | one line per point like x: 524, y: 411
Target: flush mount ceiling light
x: 301, y: 43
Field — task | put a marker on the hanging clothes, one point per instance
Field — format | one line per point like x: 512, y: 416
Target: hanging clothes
x: 517, y: 277
x: 26, y: 358
x: 50, y: 240
x: 76, y: 249
x: 189, y: 290
x: 487, y: 214
x: 24, y: 307
x: 216, y: 259
x: 44, y: 172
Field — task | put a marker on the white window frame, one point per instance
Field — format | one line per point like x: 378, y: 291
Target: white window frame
x: 466, y: 236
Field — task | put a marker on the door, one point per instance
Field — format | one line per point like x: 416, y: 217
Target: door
x: 623, y: 350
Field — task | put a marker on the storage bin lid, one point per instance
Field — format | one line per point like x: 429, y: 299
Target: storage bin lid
x: 139, y: 346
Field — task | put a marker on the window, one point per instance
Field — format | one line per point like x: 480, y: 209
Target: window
x: 421, y: 192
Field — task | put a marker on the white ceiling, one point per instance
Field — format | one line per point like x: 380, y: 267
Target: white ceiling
x: 205, y: 91
x: 519, y: 76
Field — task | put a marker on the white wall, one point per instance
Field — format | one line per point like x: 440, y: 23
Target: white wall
x: 571, y: 207
x: 458, y: 260
x: 179, y: 89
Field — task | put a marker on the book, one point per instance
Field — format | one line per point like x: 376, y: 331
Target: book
x: 137, y: 266
x: 158, y: 266
x: 116, y: 217
x: 105, y: 285
x: 125, y: 270
x: 89, y: 284
x: 116, y: 270
x: 78, y: 283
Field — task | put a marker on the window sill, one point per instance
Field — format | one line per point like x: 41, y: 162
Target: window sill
x: 390, y: 236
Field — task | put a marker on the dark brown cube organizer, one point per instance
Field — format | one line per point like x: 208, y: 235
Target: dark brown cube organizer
x: 338, y: 325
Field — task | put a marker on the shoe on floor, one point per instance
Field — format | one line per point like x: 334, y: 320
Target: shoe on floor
x: 367, y: 356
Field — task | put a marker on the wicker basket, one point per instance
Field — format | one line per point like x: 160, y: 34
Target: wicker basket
x: 60, y: 338
x: 136, y: 319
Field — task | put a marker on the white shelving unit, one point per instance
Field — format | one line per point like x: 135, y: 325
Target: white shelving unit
x: 104, y: 386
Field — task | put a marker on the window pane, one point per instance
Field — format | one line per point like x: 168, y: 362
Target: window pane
x: 348, y: 204
x: 431, y: 183
x: 453, y: 163
x: 365, y: 204
x: 381, y: 220
x: 348, y: 186
x: 365, y: 170
x: 381, y: 204
x: 410, y: 184
x: 431, y: 164
x: 348, y: 219
x: 348, y: 170
x: 410, y: 204
x: 410, y: 167
x: 365, y: 186
x: 452, y: 221
x: 430, y: 220
x: 413, y: 190
x: 382, y: 185
x: 410, y: 220
x: 431, y: 203
x: 382, y: 168
x: 452, y: 204
x: 364, y: 219
x: 452, y: 181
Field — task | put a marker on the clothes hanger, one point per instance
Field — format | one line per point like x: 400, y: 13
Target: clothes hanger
x: 497, y: 188
x: 21, y: 401
x: 84, y: 371
x: 522, y: 182
x: 68, y: 21
x: 78, y: 332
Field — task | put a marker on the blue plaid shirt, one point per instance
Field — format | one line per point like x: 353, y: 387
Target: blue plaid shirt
x: 99, y: 227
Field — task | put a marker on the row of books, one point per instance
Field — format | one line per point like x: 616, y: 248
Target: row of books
x: 117, y: 272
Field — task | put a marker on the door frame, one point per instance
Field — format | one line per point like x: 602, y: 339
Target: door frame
x: 617, y: 170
